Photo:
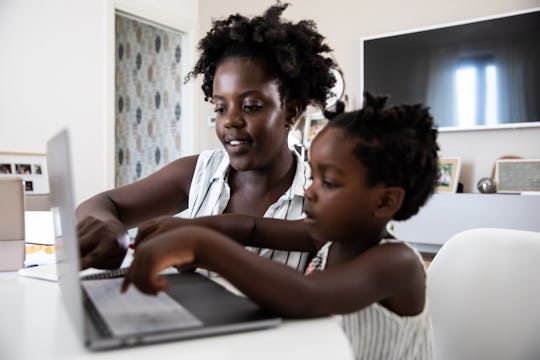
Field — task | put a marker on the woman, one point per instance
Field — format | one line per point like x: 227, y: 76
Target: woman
x: 260, y: 74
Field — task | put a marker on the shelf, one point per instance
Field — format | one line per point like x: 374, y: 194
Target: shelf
x: 445, y: 215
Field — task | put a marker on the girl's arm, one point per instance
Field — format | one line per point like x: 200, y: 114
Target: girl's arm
x: 104, y: 218
x: 289, y: 235
x: 384, y: 273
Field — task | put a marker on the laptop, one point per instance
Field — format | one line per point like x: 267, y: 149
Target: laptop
x: 193, y: 306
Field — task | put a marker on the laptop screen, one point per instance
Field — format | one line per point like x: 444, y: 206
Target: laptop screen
x: 63, y: 210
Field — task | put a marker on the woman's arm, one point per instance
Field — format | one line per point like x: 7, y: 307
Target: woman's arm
x: 387, y: 272
x: 104, y: 218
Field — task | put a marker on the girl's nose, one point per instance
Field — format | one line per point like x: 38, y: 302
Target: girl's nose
x: 309, y: 193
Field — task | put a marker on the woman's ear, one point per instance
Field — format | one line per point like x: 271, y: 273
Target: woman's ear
x: 390, y: 201
x: 293, y: 112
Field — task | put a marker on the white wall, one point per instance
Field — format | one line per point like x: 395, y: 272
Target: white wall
x: 52, y: 76
x: 57, y: 70
x: 345, y: 22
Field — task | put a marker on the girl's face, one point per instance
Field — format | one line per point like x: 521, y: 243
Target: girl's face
x: 339, y: 203
x: 251, y: 120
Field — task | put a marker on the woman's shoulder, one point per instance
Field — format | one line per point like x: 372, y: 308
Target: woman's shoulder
x: 185, y: 168
x: 212, y: 161
x: 216, y: 155
x: 210, y: 164
x: 205, y: 161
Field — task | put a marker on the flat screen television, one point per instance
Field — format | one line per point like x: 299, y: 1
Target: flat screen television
x: 483, y: 73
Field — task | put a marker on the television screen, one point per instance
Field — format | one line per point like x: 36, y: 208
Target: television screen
x: 480, y: 73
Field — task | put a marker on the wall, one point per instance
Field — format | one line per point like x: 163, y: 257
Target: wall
x: 57, y: 70
x: 52, y: 69
x: 345, y: 22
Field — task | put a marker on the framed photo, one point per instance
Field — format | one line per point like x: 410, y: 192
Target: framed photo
x: 314, y: 123
x: 448, y: 175
x: 31, y: 167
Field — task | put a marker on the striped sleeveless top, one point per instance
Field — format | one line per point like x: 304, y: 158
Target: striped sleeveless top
x: 375, y: 332
x: 210, y: 193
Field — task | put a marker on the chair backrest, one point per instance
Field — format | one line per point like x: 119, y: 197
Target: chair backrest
x: 484, y: 296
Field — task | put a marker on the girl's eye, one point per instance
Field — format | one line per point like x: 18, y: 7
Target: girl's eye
x: 329, y: 185
x: 219, y: 109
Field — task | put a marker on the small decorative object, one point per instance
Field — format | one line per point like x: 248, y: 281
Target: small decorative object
x: 314, y: 123
x: 517, y: 175
x: 338, y: 90
x: 11, y: 223
x: 449, y: 170
x: 31, y: 167
x: 486, y: 185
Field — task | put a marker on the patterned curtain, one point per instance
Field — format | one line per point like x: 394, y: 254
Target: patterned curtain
x: 148, y: 98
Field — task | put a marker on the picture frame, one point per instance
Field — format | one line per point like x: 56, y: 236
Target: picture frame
x: 449, y: 169
x: 31, y: 167
x: 313, y: 124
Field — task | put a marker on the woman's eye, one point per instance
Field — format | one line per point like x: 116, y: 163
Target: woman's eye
x: 251, y: 108
x: 219, y: 109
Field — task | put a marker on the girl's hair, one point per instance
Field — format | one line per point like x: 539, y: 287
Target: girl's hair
x: 397, y: 145
x: 292, y: 53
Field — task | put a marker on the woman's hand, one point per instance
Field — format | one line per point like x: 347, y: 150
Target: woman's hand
x: 100, y: 242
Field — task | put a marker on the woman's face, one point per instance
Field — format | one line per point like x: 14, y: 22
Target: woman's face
x: 251, y: 120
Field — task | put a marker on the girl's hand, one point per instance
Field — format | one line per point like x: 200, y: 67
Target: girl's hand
x: 157, y: 227
x: 156, y: 254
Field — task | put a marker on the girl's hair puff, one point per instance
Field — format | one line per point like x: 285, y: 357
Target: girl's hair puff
x: 397, y: 145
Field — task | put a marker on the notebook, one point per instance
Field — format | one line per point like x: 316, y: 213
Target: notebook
x: 193, y: 306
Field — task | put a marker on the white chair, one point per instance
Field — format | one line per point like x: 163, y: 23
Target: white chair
x: 484, y: 296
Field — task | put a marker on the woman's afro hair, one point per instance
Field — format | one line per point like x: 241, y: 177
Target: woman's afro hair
x: 293, y: 52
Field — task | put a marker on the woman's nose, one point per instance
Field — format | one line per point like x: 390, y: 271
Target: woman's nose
x: 233, y: 119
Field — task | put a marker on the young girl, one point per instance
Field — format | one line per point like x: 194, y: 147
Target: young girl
x: 368, y: 166
x: 260, y: 74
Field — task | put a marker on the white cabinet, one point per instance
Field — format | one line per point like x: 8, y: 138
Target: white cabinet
x: 444, y: 215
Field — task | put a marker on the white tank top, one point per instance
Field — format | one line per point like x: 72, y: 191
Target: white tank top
x: 378, y: 333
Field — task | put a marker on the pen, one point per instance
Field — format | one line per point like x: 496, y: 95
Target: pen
x: 31, y: 265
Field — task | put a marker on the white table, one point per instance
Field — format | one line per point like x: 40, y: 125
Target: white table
x: 34, y: 325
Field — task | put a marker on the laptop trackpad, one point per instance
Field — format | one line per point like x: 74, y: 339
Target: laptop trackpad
x: 134, y: 312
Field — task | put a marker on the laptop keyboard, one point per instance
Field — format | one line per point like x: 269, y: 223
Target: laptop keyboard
x: 134, y: 312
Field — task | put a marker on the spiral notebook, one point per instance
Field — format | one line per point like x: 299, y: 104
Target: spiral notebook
x: 193, y: 305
